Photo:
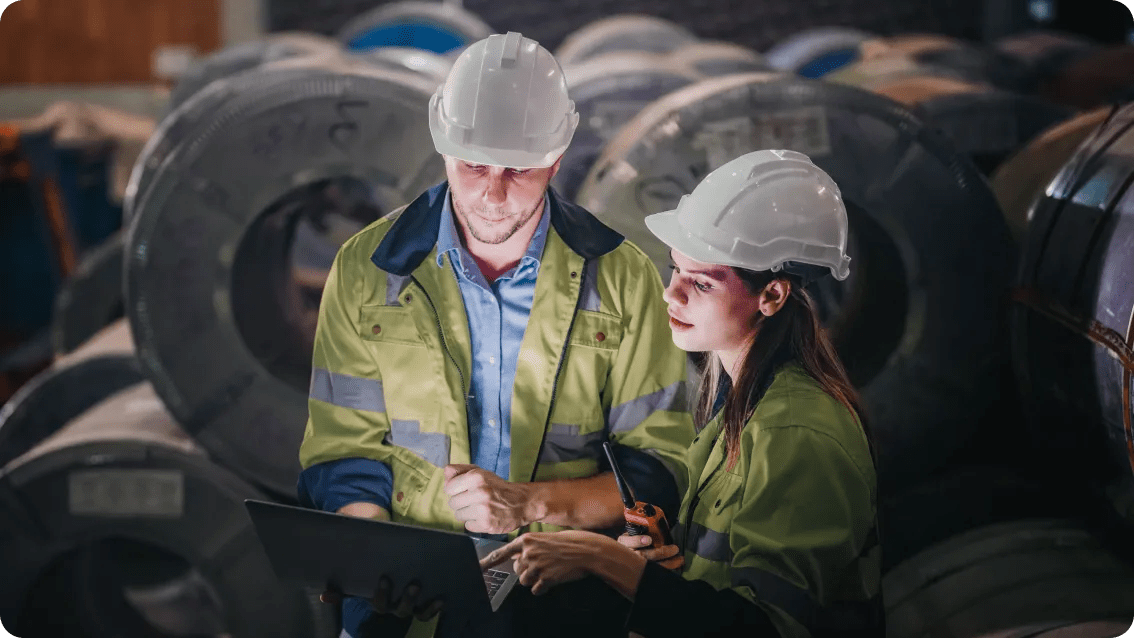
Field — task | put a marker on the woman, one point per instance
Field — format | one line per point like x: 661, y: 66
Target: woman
x: 777, y: 531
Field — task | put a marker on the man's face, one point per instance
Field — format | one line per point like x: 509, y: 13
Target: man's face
x: 493, y: 202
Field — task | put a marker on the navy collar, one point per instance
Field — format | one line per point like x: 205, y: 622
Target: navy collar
x: 413, y: 234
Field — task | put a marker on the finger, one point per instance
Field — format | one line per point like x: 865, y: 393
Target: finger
x: 381, y: 600
x: 453, y: 472
x: 408, y: 600
x: 660, y: 553
x: 540, y: 588
x: 330, y: 597
x: 636, y: 541
x: 501, y: 554
x: 430, y: 610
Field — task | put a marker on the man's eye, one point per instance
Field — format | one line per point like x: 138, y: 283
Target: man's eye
x: 517, y: 173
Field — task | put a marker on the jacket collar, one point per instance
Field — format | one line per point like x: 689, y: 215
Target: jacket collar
x: 413, y: 234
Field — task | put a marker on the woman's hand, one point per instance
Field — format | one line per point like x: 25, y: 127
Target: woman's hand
x: 666, y: 555
x: 545, y: 559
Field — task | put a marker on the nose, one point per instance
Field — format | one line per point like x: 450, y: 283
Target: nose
x: 496, y: 192
x: 672, y: 293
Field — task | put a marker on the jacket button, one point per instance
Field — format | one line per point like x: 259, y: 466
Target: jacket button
x: 409, y: 298
x: 574, y: 274
x: 376, y: 329
x: 401, y: 495
x: 600, y: 336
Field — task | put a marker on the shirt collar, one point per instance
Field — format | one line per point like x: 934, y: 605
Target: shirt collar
x: 448, y: 241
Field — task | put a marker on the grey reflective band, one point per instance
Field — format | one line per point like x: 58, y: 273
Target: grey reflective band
x: 589, y: 297
x: 844, y: 616
x: 433, y: 447
x: 631, y: 414
x: 707, y: 543
x: 564, y: 443
x: 346, y: 391
x: 395, y: 284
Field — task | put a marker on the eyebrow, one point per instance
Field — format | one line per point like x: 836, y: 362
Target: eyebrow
x: 718, y: 274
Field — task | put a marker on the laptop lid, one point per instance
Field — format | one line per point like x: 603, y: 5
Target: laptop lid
x: 323, y: 549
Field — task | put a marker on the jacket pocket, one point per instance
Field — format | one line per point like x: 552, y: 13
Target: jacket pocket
x: 596, y: 330
x: 388, y: 324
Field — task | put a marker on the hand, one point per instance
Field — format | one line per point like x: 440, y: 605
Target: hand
x: 666, y: 555
x: 544, y: 559
x: 485, y: 502
x: 405, y: 606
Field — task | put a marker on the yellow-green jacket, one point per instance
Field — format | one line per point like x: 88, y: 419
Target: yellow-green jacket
x: 392, y: 362
x: 787, y: 535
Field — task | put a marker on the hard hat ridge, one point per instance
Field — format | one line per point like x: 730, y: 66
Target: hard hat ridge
x: 761, y: 211
x: 504, y: 103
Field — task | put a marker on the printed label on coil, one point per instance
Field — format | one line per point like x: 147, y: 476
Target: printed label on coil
x: 121, y: 492
x: 802, y: 129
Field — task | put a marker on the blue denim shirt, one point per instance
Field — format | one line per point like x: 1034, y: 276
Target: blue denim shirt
x: 498, y: 315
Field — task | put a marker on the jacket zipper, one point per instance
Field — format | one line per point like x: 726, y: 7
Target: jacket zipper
x: 696, y: 501
x: 559, y: 369
x: 445, y: 345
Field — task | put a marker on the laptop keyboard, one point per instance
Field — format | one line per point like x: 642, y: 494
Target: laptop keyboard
x: 493, y: 579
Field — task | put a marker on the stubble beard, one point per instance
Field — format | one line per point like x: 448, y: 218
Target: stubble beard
x: 479, y: 233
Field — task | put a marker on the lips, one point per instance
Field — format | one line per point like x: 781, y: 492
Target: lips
x: 674, y: 322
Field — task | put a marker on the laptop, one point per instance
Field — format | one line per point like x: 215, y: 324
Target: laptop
x: 320, y: 549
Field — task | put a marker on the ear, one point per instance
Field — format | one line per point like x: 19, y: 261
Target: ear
x: 774, y: 296
x: 555, y: 167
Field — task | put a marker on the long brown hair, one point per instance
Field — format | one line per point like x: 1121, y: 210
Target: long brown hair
x: 792, y: 333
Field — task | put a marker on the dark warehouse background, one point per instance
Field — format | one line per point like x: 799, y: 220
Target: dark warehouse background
x: 757, y: 24
x: 176, y: 177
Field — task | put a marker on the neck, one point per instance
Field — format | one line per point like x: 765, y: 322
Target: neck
x: 731, y: 361
x: 496, y: 259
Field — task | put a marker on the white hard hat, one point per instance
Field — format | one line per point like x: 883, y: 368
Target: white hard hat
x: 759, y: 211
x: 504, y: 103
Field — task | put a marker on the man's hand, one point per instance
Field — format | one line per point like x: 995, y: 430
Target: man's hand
x: 362, y: 509
x: 487, y: 503
x: 544, y: 559
x: 407, y: 605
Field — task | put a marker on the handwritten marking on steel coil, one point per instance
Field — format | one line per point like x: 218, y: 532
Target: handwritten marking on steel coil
x: 801, y: 129
x: 126, y: 492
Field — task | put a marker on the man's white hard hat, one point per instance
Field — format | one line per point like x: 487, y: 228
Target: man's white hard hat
x: 504, y: 103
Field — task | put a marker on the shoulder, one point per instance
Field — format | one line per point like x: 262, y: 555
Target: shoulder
x: 358, y: 249
x: 628, y: 277
x: 797, y: 405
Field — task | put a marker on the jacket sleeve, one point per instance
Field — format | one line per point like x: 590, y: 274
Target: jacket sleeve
x: 341, y: 453
x: 649, y: 412
x: 805, y: 516
x: 668, y: 606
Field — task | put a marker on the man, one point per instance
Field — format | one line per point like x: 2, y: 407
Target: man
x: 476, y: 348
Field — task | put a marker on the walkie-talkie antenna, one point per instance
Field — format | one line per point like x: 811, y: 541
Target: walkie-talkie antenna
x: 623, y: 488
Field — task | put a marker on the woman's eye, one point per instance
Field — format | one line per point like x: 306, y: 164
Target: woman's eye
x: 702, y: 287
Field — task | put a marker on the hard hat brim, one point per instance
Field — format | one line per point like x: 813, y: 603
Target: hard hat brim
x: 667, y: 228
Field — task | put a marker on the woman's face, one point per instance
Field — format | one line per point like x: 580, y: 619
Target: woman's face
x: 710, y: 308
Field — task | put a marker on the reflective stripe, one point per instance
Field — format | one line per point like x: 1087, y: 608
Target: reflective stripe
x: 564, y: 443
x: 707, y: 543
x: 769, y: 587
x: 346, y: 391
x: 631, y: 414
x: 589, y: 297
x: 848, y: 617
x: 433, y: 447
x: 395, y: 284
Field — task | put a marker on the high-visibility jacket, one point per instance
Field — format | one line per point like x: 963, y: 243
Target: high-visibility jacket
x: 790, y: 528
x: 392, y: 361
